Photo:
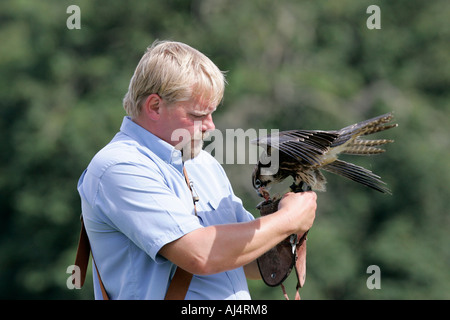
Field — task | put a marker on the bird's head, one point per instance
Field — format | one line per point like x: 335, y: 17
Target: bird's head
x: 261, y: 183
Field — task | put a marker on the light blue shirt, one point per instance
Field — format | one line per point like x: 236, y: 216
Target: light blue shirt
x: 135, y: 200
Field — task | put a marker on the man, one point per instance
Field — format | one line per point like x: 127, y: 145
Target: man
x: 138, y: 209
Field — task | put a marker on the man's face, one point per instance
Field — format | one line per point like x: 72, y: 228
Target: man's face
x: 185, y: 125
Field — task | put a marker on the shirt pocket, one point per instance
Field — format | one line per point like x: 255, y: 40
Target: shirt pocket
x: 217, y: 211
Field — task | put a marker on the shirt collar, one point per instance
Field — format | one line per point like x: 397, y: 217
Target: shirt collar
x: 161, y: 148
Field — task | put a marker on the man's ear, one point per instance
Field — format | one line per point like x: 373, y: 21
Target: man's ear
x: 152, y: 106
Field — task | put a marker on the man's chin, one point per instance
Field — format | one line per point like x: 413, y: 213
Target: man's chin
x: 190, y: 152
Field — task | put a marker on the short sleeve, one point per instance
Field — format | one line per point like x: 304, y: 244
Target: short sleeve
x: 137, y: 201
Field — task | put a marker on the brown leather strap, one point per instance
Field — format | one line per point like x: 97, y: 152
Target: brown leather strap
x: 82, y: 257
x: 191, y: 188
x: 102, y: 287
x: 300, y: 267
x: 179, y: 285
x: 181, y: 280
x: 82, y: 260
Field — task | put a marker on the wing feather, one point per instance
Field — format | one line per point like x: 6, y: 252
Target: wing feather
x: 307, y: 145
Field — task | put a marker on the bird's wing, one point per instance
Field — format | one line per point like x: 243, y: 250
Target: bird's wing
x: 307, y: 145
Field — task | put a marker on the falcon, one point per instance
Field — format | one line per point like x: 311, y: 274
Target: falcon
x: 303, y: 154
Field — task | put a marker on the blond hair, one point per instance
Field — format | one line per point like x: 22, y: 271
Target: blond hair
x: 176, y: 72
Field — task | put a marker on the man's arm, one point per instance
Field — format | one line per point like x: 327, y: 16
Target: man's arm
x: 219, y: 248
x: 252, y: 271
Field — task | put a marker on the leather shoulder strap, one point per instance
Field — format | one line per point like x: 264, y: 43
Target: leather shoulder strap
x: 82, y: 260
x: 182, y: 279
x: 179, y: 285
x: 83, y: 253
x: 190, y: 185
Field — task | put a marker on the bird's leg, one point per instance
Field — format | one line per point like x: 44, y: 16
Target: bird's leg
x: 296, y: 187
x: 293, y: 242
x: 300, y: 187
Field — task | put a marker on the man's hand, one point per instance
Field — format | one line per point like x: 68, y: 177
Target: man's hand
x: 299, y: 210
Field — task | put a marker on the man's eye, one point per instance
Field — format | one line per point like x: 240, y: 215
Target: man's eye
x: 257, y: 183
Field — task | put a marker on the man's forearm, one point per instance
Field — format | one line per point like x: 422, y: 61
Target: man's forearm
x: 224, y: 247
x: 252, y: 271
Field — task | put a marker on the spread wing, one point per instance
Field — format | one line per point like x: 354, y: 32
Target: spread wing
x: 306, y: 145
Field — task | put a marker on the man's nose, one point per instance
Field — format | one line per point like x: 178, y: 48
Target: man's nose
x: 208, y: 123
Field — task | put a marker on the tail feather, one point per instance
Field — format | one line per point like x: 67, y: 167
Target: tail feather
x: 371, y: 143
x: 366, y: 127
x: 379, y: 129
x: 365, y: 147
x: 357, y: 174
x: 363, y: 150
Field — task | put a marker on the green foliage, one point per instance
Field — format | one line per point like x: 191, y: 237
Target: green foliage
x: 291, y: 64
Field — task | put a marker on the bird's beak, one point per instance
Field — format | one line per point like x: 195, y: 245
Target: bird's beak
x: 258, y: 191
x: 262, y: 192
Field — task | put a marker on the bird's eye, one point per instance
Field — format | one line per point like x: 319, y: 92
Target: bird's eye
x: 257, y: 183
